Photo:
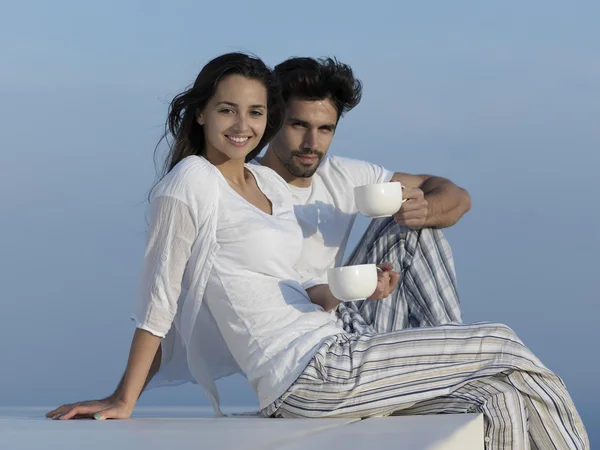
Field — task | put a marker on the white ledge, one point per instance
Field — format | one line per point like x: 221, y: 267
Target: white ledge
x: 189, y: 428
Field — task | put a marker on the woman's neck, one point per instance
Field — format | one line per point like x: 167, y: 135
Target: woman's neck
x: 232, y: 169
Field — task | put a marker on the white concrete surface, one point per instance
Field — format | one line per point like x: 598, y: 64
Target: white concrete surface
x: 440, y: 432
x: 190, y: 428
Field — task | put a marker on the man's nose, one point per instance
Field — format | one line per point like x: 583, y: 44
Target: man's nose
x: 311, y: 141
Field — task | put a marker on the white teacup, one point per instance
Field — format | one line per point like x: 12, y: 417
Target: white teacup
x: 353, y: 283
x: 379, y: 200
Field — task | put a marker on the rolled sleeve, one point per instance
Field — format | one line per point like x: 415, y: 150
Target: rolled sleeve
x: 311, y: 281
x: 170, y: 239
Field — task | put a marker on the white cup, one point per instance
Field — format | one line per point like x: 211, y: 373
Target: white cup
x: 379, y: 200
x: 353, y: 283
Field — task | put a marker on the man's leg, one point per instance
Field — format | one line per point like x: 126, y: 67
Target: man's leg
x: 426, y: 294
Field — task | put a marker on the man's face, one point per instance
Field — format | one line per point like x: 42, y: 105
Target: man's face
x: 305, y: 136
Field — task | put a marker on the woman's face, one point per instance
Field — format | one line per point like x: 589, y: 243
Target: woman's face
x: 235, y: 118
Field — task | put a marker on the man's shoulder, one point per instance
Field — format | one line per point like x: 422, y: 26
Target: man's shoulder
x: 341, y: 164
x: 343, y: 168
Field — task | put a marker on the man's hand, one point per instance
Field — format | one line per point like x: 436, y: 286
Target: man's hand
x: 387, y: 280
x: 414, y: 210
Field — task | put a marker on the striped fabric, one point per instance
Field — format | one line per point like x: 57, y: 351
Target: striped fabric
x: 426, y: 294
x: 409, y: 354
x: 446, y: 369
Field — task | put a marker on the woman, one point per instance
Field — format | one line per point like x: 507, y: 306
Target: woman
x: 220, y: 295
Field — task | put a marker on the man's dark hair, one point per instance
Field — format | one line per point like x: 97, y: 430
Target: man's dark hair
x: 319, y: 79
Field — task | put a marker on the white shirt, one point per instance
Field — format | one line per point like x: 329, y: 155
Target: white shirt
x: 326, y: 210
x: 256, y: 296
x: 180, y: 254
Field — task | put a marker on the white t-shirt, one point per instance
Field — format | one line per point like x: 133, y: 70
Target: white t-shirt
x: 326, y: 210
x: 257, y: 297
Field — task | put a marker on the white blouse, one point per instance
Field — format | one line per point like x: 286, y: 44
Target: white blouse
x: 180, y: 256
x: 257, y: 297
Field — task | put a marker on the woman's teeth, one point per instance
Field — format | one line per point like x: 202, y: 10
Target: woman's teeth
x: 239, y: 140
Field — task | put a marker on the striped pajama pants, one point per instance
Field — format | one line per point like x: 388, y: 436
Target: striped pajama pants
x: 409, y: 354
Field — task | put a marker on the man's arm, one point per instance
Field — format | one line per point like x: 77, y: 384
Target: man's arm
x: 432, y: 201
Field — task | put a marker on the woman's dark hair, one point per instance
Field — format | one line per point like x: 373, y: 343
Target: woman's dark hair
x: 187, y: 136
x: 319, y: 79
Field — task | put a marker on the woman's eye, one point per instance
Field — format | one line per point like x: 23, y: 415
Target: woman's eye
x: 226, y: 110
x: 257, y: 113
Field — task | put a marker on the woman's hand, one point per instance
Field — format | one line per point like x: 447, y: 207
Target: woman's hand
x: 387, y: 280
x: 144, y: 361
x: 92, y: 409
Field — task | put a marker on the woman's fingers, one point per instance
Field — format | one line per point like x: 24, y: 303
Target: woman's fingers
x: 82, y: 410
x: 386, y: 266
x: 62, y: 410
x: 394, y: 279
x: 112, y: 413
x: 386, y: 283
x: 59, y: 410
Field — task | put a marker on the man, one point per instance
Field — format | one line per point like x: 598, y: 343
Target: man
x: 318, y: 92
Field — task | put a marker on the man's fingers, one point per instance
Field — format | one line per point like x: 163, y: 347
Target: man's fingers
x: 419, y: 211
x: 413, y: 224
x: 412, y: 193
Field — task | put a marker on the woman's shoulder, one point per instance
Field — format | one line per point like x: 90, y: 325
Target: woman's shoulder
x: 190, y: 179
x: 268, y: 175
x: 189, y: 172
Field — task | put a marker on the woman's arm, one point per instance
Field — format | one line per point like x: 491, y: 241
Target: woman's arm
x: 141, y: 355
x: 321, y: 295
x: 153, y: 370
x: 387, y: 280
x: 120, y: 405
x: 170, y: 238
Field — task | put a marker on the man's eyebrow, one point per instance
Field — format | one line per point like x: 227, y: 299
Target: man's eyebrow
x: 330, y: 126
x: 258, y: 105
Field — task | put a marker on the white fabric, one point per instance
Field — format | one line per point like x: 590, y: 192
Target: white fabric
x: 326, y: 210
x: 175, y: 271
x: 256, y: 296
x: 179, y: 258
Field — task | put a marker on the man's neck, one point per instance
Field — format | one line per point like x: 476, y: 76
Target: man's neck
x: 272, y: 161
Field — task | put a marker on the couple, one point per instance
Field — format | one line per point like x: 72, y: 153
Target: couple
x: 234, y: 273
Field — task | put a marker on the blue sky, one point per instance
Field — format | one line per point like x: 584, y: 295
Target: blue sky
x: 504, y: 99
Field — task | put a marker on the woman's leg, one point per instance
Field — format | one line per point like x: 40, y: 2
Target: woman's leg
x: 506, y: 413
x: 486, y: 364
